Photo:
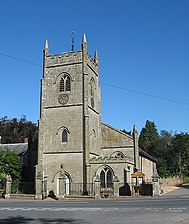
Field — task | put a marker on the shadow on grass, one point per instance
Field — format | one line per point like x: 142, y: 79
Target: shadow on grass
x: 25, y: 220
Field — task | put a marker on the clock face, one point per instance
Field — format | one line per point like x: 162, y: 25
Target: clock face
x: 63, y: 99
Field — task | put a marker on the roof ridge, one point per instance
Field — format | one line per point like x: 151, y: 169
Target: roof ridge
x: 121, y: 132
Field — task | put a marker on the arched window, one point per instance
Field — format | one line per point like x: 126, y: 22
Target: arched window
x: 109, y: 178
x: 65, y: 136
x: 65, y: 83
x: 102, y: 179
x: 118, y: 155
x: 106, y: 178
x: 93, y: 141
x: 92, y: 85
x: 92, y: 91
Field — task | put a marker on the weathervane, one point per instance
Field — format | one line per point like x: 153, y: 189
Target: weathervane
x: 72, y: 41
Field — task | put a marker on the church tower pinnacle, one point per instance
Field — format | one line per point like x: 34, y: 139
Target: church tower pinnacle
x: 46, y: 48
x: 96, y: 57
x: 136, y: 147
x: 84, y: 39
x: 84, y: 44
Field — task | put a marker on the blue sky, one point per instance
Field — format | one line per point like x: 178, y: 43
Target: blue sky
x: 143, y: 48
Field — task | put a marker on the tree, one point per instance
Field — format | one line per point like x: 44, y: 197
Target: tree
x: 170, y: 150
x: 163, y: 151
x: 16, y: 130
x: 181, y: 154
x: 148, y: 137
x: 159, y: 146
x: 10, y: 165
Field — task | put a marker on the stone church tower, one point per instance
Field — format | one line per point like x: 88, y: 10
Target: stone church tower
x: 75, y: 149
x: 70, y: 114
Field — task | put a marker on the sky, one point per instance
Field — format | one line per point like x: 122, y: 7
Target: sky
x: 143, y: 49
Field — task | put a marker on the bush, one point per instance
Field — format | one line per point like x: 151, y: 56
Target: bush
x: 185, y: 180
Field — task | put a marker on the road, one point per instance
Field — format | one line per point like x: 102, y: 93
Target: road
x: 168, y: 209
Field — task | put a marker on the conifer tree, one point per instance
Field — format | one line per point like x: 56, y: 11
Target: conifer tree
x: 148, y: 137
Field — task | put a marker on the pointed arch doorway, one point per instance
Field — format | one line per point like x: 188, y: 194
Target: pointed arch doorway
x: 67, y: 185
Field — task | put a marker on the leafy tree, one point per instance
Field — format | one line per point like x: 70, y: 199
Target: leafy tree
x: 10, y: 165
x: 181, y: 154
x: 163, y: 150
x: 148, y: 137
x: 15, y: 130
x: 170, y: 150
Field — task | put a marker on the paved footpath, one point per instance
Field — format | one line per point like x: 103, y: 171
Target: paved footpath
x: 182, y: 192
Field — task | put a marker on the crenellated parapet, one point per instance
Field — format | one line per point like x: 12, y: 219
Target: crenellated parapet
x: 92, y: 64
x: 72, y: 57
x: 65, y: 58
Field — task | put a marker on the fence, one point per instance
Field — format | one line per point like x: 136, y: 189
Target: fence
x: 79, y: 189
x: 23, y: 188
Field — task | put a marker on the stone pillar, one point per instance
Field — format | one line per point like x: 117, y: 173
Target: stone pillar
x: 39, y: 186
x: 97, y: 187
x: 8, y: 186
x: 155, y: 184
x: 62, y: 183
x: 116, y: 186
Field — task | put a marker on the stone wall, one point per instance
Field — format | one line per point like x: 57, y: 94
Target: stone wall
x: 172, y: 181
x: 146, y: 166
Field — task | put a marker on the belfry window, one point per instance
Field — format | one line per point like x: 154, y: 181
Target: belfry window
x: 92, y: 85
x: 92, y: 91
x: 61, y: 85
x: 65, y: 83
x: 64, y: 136
x: 68, y: 83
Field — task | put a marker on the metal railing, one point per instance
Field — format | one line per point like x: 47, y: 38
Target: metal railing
x: 80, y: 189
x: 23, y: 188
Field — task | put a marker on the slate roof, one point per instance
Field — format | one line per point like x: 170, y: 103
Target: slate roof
x: 18, y: 148
x: 146, y: 155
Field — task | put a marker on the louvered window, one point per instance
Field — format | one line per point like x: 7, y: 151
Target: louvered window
x: 61, y: 85
x: 65, y: 84
x: 68, y: 83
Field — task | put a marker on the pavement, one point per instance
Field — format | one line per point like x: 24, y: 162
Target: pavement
x: 171, y: 208
x: 182, y: 191
x: 168, y: 189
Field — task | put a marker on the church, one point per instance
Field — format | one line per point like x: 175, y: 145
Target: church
x: 77, y: 152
